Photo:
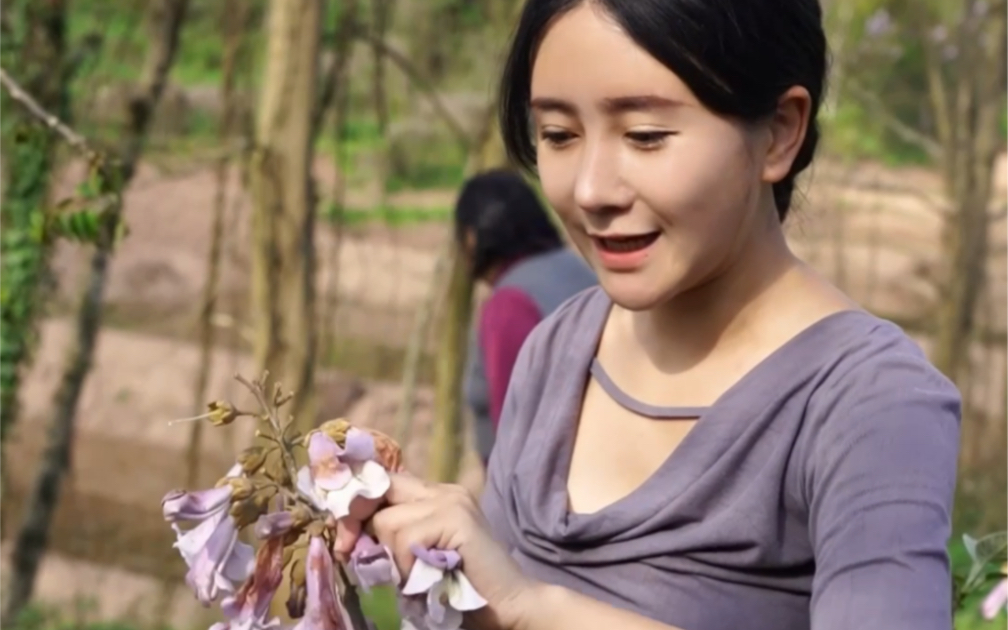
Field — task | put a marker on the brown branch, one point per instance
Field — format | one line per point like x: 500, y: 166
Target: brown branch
x: 907, y: 133
x: 414, y: 351
x: 337, y: 71
x: 416, y: 77
x: 74, y: 139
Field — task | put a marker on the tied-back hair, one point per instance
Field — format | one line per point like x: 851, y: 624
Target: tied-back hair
x: 737, y: 56
x: 506, y: 218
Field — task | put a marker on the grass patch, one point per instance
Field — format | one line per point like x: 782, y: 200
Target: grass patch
x: 398, y: 216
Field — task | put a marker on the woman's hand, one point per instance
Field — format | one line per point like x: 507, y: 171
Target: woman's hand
x: 447, y: 517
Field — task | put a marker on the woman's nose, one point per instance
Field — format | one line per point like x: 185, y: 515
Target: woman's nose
x: 600, y: 186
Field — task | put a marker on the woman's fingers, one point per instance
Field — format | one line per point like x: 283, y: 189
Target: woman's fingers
x: 394, y: 527
x: 405, y: 488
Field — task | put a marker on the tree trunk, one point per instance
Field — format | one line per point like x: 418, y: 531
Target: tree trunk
x: 446, y: 439
x: 283, y: 222
x: 448, y: 432
x: 971, y: 142
x: 33, y: 536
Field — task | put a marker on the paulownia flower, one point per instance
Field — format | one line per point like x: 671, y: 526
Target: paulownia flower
x: 449, y: 593
x: 371, y: 564
x: 217, y: 560
x: 997, y: 599
x: 345, y: 480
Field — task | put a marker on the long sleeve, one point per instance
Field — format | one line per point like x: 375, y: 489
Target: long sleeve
x: 880, y: 504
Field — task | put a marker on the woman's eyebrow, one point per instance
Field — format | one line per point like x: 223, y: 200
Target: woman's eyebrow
x: 639, y: 103
x: 548, y: 104
x: 612, y: 105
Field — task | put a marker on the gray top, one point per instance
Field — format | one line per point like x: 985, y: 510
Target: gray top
x: 815, y: 493
x: 549, y: 279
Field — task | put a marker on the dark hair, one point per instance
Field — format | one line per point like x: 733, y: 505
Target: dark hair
x: 506, y: 217
x: 737, y: 56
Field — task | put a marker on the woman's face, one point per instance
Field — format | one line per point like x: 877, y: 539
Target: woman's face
x: 658, y: 193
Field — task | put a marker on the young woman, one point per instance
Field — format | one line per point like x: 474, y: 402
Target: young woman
x: 513, y: 246
x: 717, y: 438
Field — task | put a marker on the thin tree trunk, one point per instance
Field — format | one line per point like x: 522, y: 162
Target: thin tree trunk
x: 381, y: 21
x: 33, y: 536
x: 336, y: 95
x: 446, y: 439
x: 283, y: 264
x: 415, y: 348
x: 971, y: 148
x: 235, y: 17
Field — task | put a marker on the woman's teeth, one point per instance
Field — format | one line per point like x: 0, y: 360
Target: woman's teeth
x: 627, y: 243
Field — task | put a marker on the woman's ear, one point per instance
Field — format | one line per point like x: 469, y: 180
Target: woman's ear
x: 787, y: 132
x: 469, y: 243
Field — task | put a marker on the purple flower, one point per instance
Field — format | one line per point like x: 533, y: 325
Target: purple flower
x: 337, y: 476
x: 996, y: 600
x: 273, y: 524
x: 449, y: 593
x: 323, y: 610
x: 371, y: 564
x: 217, y: 560
x: 879, y: 23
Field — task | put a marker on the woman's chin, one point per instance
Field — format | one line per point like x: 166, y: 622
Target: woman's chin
x: 632, y: 292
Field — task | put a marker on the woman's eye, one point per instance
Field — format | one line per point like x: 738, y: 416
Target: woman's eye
x: 556, y: 138
x: 648, y: 139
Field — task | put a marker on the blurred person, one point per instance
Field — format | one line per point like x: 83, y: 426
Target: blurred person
x: 512, y: 245
x: 715, y: 437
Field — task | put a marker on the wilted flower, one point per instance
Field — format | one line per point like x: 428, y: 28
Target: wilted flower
x: 217, y: 560
x: 449, y: 593
x: 248, y: 608
x: 322, y: 609
x: 371, y: 564
x: 336, y: 477
x: 997, y: 599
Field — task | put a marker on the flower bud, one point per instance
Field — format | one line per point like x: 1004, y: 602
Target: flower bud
x: 245, y: 513
x: 241, y: 488
x: 252, y: 459
x: 335, y: 429
x: 221, y: 413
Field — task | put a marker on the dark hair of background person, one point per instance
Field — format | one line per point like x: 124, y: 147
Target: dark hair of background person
x: 737, y: 56
x: 506, y: 217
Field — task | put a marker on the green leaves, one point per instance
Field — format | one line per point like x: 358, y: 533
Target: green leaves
x: 989, y: 550
x: 988, y: 556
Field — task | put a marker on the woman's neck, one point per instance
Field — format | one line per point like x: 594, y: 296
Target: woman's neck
x: 684, y: 330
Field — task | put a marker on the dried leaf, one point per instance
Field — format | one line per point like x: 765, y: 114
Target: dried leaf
x: 388, y: 453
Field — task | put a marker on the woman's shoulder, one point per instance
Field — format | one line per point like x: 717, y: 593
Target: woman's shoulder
x: 876, y: 363
x: 878, y: 398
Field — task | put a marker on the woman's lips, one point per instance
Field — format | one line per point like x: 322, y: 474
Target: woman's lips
x: 624, y: 252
